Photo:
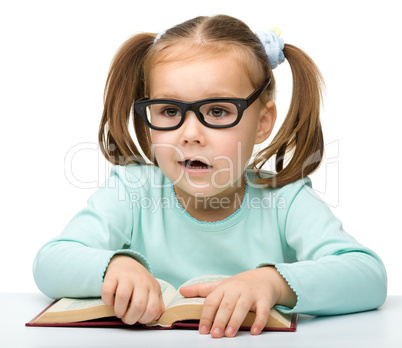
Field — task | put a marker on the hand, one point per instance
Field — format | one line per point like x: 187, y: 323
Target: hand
x: 229, y: 300
x: 133, y: 292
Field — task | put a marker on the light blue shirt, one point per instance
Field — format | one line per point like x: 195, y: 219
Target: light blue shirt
x: 136, y: 213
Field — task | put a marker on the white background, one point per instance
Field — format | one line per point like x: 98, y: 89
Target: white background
x: 54, y: 61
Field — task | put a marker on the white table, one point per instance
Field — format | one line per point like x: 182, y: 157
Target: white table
x: 379, y: 328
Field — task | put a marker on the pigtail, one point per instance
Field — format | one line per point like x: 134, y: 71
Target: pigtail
x: 125, y: 83
x: 300, y: 133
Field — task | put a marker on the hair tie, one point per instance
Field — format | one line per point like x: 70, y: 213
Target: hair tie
x: 162, y: 33
x: 159, y: 35
x: 273, y: 45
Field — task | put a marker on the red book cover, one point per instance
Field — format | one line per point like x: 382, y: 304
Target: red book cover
x: 114, y: 322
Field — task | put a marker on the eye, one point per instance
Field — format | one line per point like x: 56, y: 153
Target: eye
x: 217, y: 112
x: 171, y: 112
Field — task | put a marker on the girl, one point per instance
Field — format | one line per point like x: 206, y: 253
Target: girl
x: 186, y: 199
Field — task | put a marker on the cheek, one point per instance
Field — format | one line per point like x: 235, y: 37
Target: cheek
x: 165, y: 153
x: 162, y: 147
x: 248, y: 139
x: 234, y: 154
x: 157, y: 137
x: 243, y: 148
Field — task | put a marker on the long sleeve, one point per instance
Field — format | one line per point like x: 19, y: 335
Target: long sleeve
x: 292, y: 229
x: 333, y: 274
x: 73, y: 264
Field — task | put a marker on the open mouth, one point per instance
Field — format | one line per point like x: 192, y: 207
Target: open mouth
x: 195, y: 164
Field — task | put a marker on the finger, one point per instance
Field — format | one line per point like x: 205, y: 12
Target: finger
x: 242, y: 308
x: 153, y: 308
x: 198, y: 290
x: 137, y: 306
x: 161, y: 304
x: 223, y: 315
x: 108, y: 291
x: 122, y: 299
x: 163, y: 308
x: 209, y: 310
x: 261, y: 317
x: 157, y: 290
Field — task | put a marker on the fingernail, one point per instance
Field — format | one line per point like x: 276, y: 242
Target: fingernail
x: 203, y: 329
x: 217, y: 332
x: 255, y: 331
x: 230, y: 331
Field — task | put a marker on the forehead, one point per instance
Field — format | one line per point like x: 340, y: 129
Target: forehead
x: 187, y: 52
x: 217, y: 67
x: 195, y: 79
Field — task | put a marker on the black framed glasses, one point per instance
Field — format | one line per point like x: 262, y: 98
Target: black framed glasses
x: 169, y: 114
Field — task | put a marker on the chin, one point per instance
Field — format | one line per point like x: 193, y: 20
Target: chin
x: 209, y: 190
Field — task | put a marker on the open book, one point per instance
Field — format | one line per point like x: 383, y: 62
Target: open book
x: 179, y: 312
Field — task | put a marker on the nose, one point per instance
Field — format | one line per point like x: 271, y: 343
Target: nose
x: 192, y: 129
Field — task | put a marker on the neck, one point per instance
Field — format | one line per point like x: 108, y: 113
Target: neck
x: 214, y: 208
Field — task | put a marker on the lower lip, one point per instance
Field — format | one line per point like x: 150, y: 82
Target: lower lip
x: 195, y: 171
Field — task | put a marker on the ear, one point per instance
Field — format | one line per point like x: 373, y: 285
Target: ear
x: 266, y: 122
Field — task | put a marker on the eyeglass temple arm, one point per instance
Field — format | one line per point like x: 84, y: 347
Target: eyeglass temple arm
x: 253, y: 96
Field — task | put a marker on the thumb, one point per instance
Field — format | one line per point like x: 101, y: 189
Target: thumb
x: 198, y: 290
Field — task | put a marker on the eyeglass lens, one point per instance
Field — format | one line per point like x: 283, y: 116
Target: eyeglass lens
x: 165, y: 115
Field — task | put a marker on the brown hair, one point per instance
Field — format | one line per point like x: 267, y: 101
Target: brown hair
x: 300, y: 133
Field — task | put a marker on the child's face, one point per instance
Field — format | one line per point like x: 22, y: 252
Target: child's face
x: 224, y: 152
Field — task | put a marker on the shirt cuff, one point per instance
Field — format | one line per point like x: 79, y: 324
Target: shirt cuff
x: 283, y: 309
x: 133, y: 254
